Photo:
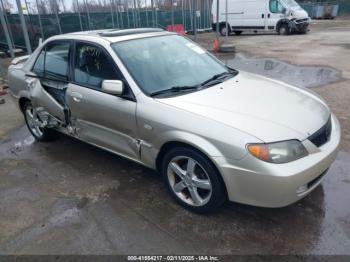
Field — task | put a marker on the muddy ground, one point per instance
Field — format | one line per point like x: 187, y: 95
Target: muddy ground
x: 67, y: 197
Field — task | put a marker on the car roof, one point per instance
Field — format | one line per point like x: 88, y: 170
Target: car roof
x: 114, y: 35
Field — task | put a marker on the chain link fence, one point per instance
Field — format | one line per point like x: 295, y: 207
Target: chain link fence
x: 45, y: 18
x: 24, y: 22
x: 318, y: 9
x: 3, y: 72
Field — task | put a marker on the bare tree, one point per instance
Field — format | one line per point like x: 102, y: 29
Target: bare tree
x: 42, y: 7
x: 6, y: 5
x: 63, y: 5
x: 53, y: 6
x: 31, y: 8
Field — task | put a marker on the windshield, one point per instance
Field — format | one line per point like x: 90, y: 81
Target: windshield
x: 161, y: 63
x: 290, y: 3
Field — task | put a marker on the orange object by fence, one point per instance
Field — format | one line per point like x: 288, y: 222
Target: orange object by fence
x: 178, y: 28
x: 216, y: 46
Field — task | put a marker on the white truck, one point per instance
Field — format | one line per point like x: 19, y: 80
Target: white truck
x: 283, y: 16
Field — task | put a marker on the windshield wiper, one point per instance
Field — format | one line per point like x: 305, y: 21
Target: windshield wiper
x: 174, y: 89
x: 216, y: 79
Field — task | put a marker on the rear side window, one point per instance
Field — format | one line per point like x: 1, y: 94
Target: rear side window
x: 56, y: 61
x: 275, y: 6
x: 92, y: 66
x: 53, y: 61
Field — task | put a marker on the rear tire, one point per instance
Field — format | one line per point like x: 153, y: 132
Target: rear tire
x: 193, y: 180
x: 40, y: 134
x: 223, y: 29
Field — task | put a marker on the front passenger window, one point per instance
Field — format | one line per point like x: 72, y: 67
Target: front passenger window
x: 275, y: 6
x: 92, y: 66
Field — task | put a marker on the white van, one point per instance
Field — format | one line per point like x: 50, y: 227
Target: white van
x: 282, y: 16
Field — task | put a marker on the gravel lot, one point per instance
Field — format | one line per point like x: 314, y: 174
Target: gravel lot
x: 67, y: 197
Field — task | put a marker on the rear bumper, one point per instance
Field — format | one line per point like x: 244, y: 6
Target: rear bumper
x: 277, y: 185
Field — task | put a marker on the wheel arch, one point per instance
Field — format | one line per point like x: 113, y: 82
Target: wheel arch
x: 175, y: 138
x: 223, y: 24
x: 21, y: 102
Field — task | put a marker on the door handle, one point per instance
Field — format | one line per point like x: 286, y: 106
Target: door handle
x: 263, y: 16
x: 268, y: 16
x: 76, y: 96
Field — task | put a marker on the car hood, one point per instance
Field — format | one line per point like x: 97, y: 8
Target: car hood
x: 299, y: 13
x: 264, y: 108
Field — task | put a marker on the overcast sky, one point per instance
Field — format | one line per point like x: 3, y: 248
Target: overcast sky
x: 32, y: 5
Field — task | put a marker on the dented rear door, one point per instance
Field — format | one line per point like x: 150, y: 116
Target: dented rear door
x: 49, y: 78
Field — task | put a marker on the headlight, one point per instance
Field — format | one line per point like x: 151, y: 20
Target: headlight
x: 279, y: 152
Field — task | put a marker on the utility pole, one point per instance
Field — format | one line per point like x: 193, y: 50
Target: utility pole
x: 58, y: 20
x: 126, y: 5
x: 24, y: 27
x: 153, y: 14
x: 195, y: 18
x: 217, y: 19
x: 120, y: 15
x: 183, y: 15
x: 146, y: 8
x: 112, y: 15
x: 226, y: 19
x: 79, y: 16
x: 134, y: 14
x: 88, y: 13
x: 6, y: 31
x: 39, y: 18
x: 172, y: 15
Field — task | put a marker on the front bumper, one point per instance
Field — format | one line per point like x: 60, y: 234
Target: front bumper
x: 258, y: 183
x: 300, y: 26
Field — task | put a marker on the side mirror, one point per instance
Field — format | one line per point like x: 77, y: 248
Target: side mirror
x: 284, y: 10
x: 113, y: 87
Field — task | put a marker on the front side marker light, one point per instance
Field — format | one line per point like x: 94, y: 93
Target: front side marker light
x: 260, y: 151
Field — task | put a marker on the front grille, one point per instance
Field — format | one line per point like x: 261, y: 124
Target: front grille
x: 302, y: 20
x: 322, y: 136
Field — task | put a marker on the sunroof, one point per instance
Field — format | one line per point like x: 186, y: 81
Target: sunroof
x: 118, y: 32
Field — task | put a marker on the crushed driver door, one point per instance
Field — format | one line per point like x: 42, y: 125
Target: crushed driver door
x: 100, y: 118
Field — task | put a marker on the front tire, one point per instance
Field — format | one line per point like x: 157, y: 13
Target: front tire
x: 284, y: 30
x: 192, y: 180
x: 304, y: 31
x: 34, y: 123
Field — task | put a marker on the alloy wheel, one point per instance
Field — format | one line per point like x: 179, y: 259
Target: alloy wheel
x: 189, y: 181
x: 34, y: 122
